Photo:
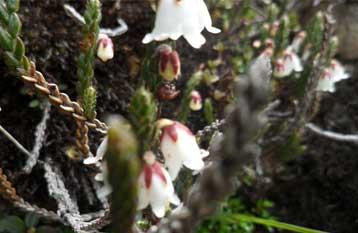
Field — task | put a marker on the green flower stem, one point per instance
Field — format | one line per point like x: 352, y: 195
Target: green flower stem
x: 85, y: 70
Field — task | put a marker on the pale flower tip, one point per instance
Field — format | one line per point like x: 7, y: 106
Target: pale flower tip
x: 158, y: 210
x: 213, y: 30
x: 161, y: 123
x: 104, y: 191
x: 99, y: 177
x: 147, y: 39
x: 194, y: 164
x: 204, y: 153
x: 90, y: 160
x: 174, y: 199
x: 195, y: 40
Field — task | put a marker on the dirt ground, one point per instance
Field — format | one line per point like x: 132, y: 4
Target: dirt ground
x: 318, y: 189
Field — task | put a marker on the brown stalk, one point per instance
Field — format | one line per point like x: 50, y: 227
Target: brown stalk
x: 6, y: 190
x: 61, y: 100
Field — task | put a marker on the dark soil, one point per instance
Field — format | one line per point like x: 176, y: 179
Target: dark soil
x: 318, y: 189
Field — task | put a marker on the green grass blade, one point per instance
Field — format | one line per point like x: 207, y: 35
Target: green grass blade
x: 234, y: 218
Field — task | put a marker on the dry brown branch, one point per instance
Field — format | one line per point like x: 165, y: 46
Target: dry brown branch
x: 60, y: 100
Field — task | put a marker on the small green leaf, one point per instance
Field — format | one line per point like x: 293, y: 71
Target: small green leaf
x: 89, y: 102
x: 5, y: 40
x: 12, y: 224
x: 4, y: 16
x: 208, y: 111
x: 19, y: 51
x: 31, y: 220
x: 10, y: 60
x: 14, y: 25
x: 13, y: 5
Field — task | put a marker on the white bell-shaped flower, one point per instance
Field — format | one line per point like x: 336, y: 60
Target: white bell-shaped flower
x: 179, y: 147
x: 155, y: 187
x: 105, y: 47
x: 176, y: 18
x: 288, y: 63
x: 331, y: 75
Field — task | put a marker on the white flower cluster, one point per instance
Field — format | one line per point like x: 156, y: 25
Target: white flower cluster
x: 290, y: 63
x: 179, y: 148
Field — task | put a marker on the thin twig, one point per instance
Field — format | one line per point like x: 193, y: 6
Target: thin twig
x: 15, y: 142
x: 70, y: 11
x: 111, y: 32
x: 117, y: 31
x: 332, y: 135
x: 39, y: 140
x: 57, y: 189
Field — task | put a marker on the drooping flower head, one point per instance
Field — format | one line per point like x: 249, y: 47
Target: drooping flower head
x: 334, y: 73
x: 298, y: 40
x: 169, y: 63
x: 179, y: 147
x: 195, y: 101
x: 176, y: 18
x: 155, y: 187
x: 287, y: 64
x: 104, y: 47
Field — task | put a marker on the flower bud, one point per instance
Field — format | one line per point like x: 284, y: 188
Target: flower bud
x: 169, y: 63
x: 195, y: 101
x: 104, y: 48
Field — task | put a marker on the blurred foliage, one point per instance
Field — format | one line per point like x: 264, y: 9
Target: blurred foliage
x: 123, y: 170
x: 233, y: 206
x: 30, y: 223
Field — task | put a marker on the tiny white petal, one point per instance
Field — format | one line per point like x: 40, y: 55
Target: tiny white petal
x: 104, y: 191
x: 143, y: 198
x: 195, y: 40
x: 296, y: 62
x: 204, y: 153
x: 90, y: 160
x: 174, y: 199
x: 99, y: 177
x: 194, y: 164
